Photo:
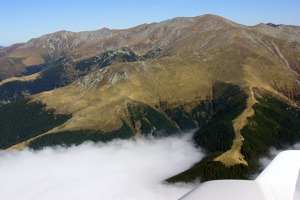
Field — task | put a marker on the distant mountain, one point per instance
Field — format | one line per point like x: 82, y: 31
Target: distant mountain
x: 239, y: 86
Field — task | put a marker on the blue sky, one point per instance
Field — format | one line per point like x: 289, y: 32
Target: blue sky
x: 22, y: 20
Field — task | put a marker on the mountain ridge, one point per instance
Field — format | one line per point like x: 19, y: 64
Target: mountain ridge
x: 159, y: 79
x: 50, y: 47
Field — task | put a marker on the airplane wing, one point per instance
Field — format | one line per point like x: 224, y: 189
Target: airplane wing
x: 279, y: 181
x: 297, y: 190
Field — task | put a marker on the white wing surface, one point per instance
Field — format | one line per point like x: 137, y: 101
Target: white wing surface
x: 279, y: 181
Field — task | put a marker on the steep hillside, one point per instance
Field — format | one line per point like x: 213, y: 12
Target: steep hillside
x: 59, y: 74
x: 227, y: 80
x: 275, y: 124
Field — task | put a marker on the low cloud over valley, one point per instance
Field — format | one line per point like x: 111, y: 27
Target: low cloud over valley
x: 131, y: 169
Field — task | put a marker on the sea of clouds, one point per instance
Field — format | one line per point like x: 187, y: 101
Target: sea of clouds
x: 118, y: 170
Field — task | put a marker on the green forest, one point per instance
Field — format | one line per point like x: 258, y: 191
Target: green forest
x: 24, y: 119
x: 275, y: 124
x: 68, y: 138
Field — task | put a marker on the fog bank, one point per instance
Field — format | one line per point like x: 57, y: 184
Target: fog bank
x: 127, y: 170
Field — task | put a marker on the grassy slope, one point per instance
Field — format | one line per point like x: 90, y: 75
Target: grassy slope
x: 61, y: 74
x: 148, y: 120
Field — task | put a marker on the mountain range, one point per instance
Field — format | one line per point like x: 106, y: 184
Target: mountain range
x: 237, y: 86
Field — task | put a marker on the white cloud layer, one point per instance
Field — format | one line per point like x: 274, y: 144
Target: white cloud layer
x: 119, y: 170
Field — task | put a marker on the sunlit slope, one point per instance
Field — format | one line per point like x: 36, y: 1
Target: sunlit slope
x: 99, y: 100
x: 225, y: 79
x: 60, y: 74
x: 272, y: 53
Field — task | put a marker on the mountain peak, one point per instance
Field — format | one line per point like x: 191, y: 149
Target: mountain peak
x: 203, y: 18
x: 216, y: 19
